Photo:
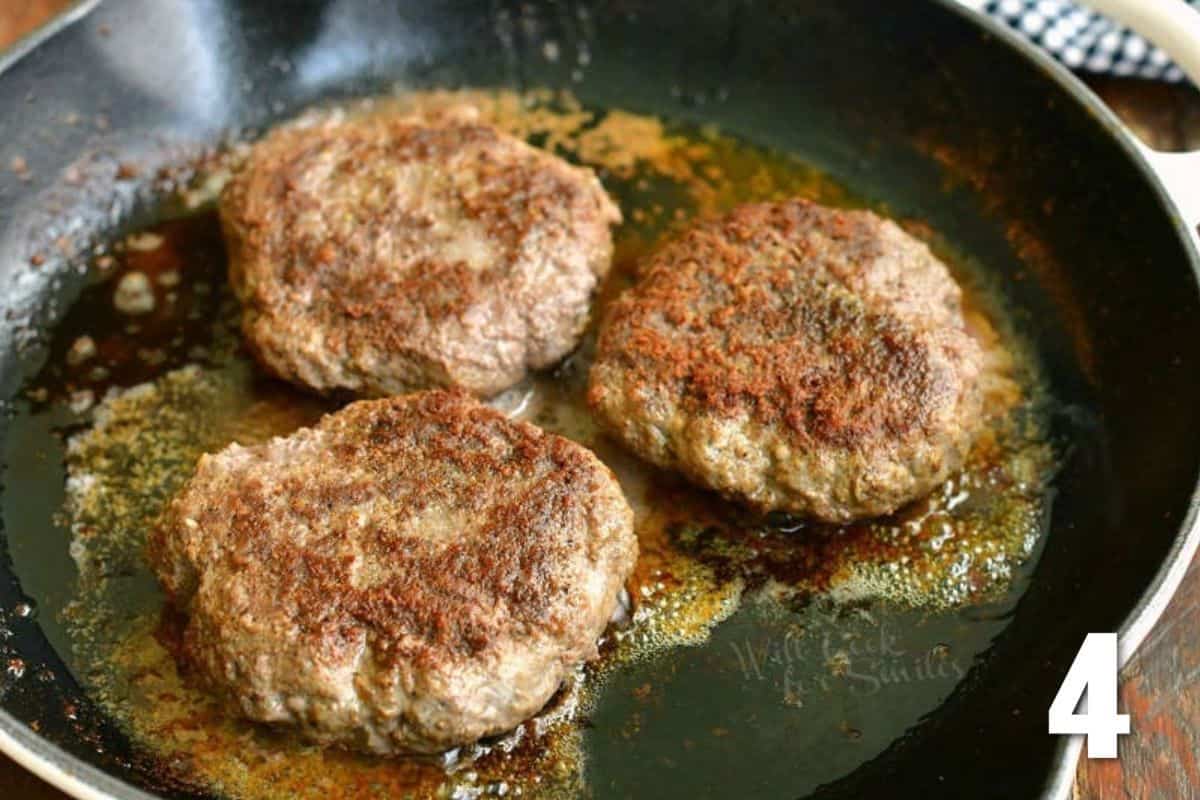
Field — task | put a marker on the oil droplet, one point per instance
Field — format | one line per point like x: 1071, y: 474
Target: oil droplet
x: 25, y: 610
x: 184, y: 412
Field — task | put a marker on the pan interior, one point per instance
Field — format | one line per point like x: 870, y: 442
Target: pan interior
x: 908, y: 107
x: 807, y: 649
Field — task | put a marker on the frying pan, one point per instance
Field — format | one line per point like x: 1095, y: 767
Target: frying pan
x: 940, y: 114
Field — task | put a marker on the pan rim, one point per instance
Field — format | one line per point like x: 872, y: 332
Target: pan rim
x: 79, y: 778
x: 1153, y: 601
x: 30, y: 41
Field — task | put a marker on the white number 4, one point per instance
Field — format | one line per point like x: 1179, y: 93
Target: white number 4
x: 1092, y: 679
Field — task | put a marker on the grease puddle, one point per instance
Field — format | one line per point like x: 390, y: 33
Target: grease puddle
x: 786, y: 653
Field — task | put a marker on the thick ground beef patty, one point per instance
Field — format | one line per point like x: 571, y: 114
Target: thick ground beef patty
x: 797, y: 358
x: 408, y: 575
x: 383, y: 254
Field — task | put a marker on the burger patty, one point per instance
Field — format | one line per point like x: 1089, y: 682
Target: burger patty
x: 387, y: 253
x: 410, y: 574
x: 794, y: 357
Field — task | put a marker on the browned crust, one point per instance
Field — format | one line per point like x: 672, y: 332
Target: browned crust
x: 747, y: 314
x: 351, y: 247
x: 428, y: 531
x: 832, y: 329
x: 416, y: 451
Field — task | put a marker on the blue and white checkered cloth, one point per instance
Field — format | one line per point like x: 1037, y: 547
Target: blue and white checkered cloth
x: 1081, y: 38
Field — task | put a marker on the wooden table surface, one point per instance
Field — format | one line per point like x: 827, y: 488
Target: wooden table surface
x: 1160, y: 688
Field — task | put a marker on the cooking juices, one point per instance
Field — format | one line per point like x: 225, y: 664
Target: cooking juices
x: 754, y: 643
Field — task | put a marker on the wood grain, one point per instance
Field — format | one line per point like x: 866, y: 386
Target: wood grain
x: 1160, y: 688
x: 19, y: 17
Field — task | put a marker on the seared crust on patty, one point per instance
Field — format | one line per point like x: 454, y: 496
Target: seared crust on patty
x: 408, y: 575
x: 796, y: 358
x: 387, y: 253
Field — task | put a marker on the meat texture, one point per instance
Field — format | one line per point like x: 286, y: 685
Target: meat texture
x: 794, y: 357
x: 388, y: 253
x: 410, y: 574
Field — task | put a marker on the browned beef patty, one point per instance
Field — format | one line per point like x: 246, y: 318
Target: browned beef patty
x: 383, y: 254
x: 408, y: 575
x: 794, y: 357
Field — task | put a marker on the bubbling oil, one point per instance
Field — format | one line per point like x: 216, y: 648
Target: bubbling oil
x: 155, y: 391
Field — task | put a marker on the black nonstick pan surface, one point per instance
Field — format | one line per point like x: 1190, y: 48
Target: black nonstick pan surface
x: 915, y: 107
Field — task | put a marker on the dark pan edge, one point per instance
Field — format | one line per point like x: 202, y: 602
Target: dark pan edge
x: 42, y: 758
x: 59, y: 768
x: 1153, y: 602
x: 80, y: 779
